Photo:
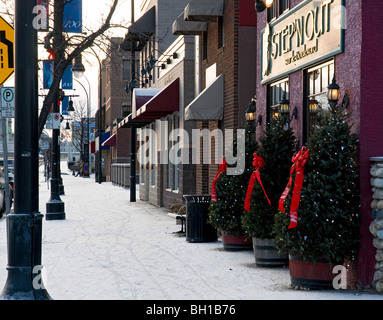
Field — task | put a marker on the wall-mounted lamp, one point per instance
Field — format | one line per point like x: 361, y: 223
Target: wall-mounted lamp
x: 149, y: 66
x: 313, y: 106
x: 284, y: 105
x: 261, y: 5
x: 130, y: 86
x: 294, y: 114
x: 333, y: 93
x: 259, y: 120
x: 284, y: 109
x: 153, y: 61
x: 250, y: 112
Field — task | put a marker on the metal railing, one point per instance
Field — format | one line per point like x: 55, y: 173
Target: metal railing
x: 120, y: 174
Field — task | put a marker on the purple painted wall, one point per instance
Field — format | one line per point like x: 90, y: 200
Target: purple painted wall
x: 371, y: 119
x: 359, y: 71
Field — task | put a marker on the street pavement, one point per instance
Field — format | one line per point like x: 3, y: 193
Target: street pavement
x: 109, y: 248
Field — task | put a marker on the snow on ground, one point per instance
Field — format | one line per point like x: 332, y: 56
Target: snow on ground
x: 110, y: 248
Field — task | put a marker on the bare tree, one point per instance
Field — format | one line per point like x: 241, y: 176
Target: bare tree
x: 79, y: 128
x: 8, y: 9
x: 66, y: 49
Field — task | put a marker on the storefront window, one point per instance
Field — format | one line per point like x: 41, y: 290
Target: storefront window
x: 126, y: 69
x: 173, y: 150
x: 272, y: 12
x: 170, y: 161
x: 318, y: 78
x: 221, y: 35
x: 153, y: 148
x: 176, y: 165
x: 277, y: 91
x: 283, y: 6
x: 143, y: 153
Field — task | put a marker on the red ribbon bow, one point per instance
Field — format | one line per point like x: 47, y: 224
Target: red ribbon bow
x: 258, y: 163
x: 222, y: 168
x: 52, y: 54
x: 299, y: 161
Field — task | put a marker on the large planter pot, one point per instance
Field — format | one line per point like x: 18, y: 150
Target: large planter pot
x: 307, y: 273
x: 232, y: 242
x: 267, y: 256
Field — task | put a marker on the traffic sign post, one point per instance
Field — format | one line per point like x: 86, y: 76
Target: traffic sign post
x: 7, y: 102
x: 53, y: 121
x: 7, y: 57
x: 56, y: 120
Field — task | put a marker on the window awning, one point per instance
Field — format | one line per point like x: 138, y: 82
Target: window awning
x: 208, y: 105
x: 140, y: 97
x: 202, y: 10
x: 182, y: 27
x: 93, y: 146
x: 111, y: 141
x: 128, y: 122
x: 165, y: 102
x: 141, y: 30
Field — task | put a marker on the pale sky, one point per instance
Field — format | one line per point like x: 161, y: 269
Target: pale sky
x: 94, y: 11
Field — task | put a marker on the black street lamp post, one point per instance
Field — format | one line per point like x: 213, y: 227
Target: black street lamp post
x: 24, y: 224
x: 78, y: 71
x: 55, y: 206
x: 133, y: 131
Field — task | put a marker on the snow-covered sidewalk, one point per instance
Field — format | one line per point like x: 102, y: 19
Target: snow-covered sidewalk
x: 110, y: 248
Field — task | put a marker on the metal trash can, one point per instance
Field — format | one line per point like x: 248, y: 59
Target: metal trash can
x: 197, y: 228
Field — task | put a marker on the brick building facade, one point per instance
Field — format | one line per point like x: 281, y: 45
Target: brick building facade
x: 228, y: 48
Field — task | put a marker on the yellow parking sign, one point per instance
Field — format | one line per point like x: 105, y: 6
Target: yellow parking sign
x: 7, y: 57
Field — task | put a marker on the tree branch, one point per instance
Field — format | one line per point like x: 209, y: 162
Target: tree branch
x: 63, y: 60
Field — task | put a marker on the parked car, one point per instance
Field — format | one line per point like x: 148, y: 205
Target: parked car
x: 2, y: 190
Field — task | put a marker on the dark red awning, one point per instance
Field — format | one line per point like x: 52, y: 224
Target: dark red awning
x: 163, y: 103
x: 92, y: 146
x: 110, y: 142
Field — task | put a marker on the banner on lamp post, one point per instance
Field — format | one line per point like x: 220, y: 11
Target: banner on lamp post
x: 64, y: 106
x: 67, y: 79
x: 47, y: 73
x: 72, y: 19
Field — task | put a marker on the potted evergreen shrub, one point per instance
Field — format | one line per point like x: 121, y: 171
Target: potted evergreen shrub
x: 276, y: 147
x: 327, y: 230
x: 225, y: 213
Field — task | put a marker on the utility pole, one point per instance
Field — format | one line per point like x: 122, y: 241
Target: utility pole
x: 24, y: 224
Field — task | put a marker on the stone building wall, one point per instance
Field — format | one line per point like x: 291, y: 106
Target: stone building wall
x: 376, y: 226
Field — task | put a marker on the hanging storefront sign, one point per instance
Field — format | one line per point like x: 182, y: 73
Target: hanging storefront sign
x: 310, y: 32
x: 72, y: 19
